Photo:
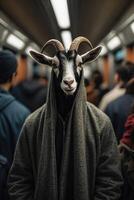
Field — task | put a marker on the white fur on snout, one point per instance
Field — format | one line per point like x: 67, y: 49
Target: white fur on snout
x: 68, y: 75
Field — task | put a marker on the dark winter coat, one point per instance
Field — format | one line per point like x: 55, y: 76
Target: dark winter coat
x: 118, y: 111
x: 12, y: 117
x: 90, y: 166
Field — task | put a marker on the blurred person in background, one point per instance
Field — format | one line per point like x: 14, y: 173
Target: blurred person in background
x: 122, y: 76
x: 89, y: 90
x: 94, y: 88
x: 119, y: 109
x: 126, y: 148
x: 32, y: 92
x: 128, y: 135
x: 12, y: 117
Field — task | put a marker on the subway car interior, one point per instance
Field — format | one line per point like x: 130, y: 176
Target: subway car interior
x: 52, y: 53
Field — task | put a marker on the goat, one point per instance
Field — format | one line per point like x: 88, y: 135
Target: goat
x: 57, y: 158
x: 67, y: 65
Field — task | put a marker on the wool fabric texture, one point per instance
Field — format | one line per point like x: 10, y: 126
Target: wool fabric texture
x: 90, y: 166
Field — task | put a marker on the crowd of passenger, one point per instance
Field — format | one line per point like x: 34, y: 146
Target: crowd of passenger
x: 118, y: 104
x: 20, y: 98
x: 115, y: 102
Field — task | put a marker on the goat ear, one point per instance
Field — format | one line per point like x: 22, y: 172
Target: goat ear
x: 91, y: 55
x: 41, y: 58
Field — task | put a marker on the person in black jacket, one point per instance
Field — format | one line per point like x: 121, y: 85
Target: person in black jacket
x: 12, y: 117
x: 32, y: 92
x: 119, y: 109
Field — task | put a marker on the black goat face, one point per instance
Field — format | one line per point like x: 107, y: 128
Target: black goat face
x: 68, y: 71
x: 67, y: 65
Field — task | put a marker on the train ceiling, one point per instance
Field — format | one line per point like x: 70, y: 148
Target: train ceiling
x: 91, y: 18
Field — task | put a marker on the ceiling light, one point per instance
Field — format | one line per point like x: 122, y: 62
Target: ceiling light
x: 15, y: 42
x: 66, y: 38
x: 114, y: 42
x: 103, y: 51
x: 20, y: 35
x: 60, y: 8
x: 132, y: 26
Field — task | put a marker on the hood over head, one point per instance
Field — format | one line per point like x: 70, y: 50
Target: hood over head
x: 79, y: 96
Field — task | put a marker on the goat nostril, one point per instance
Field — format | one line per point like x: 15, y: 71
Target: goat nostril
x: 68, y: 82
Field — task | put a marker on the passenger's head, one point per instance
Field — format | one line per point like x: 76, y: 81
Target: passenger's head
x: 8, y: 67
x: 124, y: 73
x: 36, y: 70
x: 97, y: 78
x: 40, y: 73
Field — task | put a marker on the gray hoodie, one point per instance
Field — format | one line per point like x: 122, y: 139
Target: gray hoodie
x: 90, y: 166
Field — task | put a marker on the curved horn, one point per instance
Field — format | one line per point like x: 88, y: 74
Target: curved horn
x: 77, y: 41
x: 57, y: 44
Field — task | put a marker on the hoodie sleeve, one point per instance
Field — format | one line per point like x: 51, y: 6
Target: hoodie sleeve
x: 20, y: 180
x: 108, y: 175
